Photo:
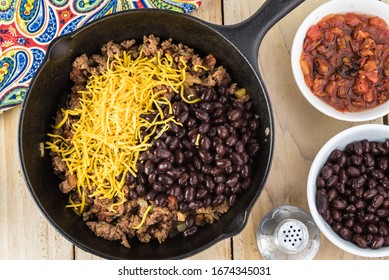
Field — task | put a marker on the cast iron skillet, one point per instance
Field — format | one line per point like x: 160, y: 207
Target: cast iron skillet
x: 235, y: 47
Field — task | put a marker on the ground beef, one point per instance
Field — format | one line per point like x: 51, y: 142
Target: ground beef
x: 58, y: 165
x: 108, y: 231
x: 68, y: 184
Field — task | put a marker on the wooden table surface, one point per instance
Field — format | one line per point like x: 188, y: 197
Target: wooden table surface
x: 300, y: 131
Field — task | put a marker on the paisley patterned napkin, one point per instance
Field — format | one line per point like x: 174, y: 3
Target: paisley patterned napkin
x: 28, y: 26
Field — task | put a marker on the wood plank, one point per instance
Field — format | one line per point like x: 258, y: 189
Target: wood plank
x: 297, y: 137
x: 25, y: 233
x: 237, y: 11
x: 209, y: 11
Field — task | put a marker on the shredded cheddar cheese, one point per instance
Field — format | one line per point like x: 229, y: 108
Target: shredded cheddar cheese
x: 143, y: 218
x: 110, y: 132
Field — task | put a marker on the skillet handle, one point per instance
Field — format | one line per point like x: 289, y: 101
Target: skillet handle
x: 247, y: 35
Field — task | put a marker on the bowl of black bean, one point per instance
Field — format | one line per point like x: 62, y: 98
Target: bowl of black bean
x: 348, y: 190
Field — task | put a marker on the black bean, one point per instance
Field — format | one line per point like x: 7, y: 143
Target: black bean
x: 377, y: 242
x: 142, y: 179
x: 383, y: 163
x: 382, y: 191
x: 223, y: 163
x: 254, y: 124
x: 205, y: 143
x: 188, y: 155
x: 183, y: 117
x: 193, y: 180
x: 220, y: 179
x: 337, y: 227
x: 358, y: 182
x: 332, y: 194
x: 368, y: 218
x: 383, y: 229
x: 141, y: 190
x: 129, y: 179
x: 196, y: 204
x: 191, y: 122
x: 218, y: 112
x: 368, y: 160
x: 346, y: 233
x: 373, y: 229
x: 161, y: 199
x: 208, y: 95
x: 322, y: 202
x: 202, y: 115
x: 158, y: 187
x: 216, y: 171
x: 218, y: 200
x: 246, y: 171
x: 133, y: 194
x: 237, y: 158
x: 343, y: 160
x: 360, y: 204
x: 205, y: 156
x: 149, y: 167
x: 371, y: 183
x: 358, y: 149
x: 178, y: 157
x: 176, y: 190
x: 164, y: 166
x: 339, y: 204
x: 183, y: 207
x: 164, y: 179
x: 207, y: 200
x: 190, y: 231
x: 383, y: 212
x: 332, y: 181
x: 232, y: 200
x: 162, y: 153
x: 204, y: 127
x: 246, y: 183
x: 370, y: 193
x: 335, y: 155
x: 336, y: 168
x: 178, y: 108
x: 189, y: 194
x: 353, y: 171
x: 377, y: 201
x: 229, y: 169
x: 360, y: 241
x: 336, y: 215
x: 201, y: 193
x: 219, y: 189
x: 373, y: 148
x: 234, y: 115
x: 371, y: 209
x: 377, y: 174
x: 320, y: 183
x: 151, y: 195
x: 356, y: 160
x: 231, y: 140
x: 326, y: 172
x: 223, y: 132
x: 190, y: 221
x: 349, y: 222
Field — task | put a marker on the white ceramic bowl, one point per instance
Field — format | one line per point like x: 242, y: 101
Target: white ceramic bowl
x: 372, y: 132
x: 369, y: 7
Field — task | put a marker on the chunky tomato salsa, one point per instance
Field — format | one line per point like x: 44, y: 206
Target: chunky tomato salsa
x: 345, y: 61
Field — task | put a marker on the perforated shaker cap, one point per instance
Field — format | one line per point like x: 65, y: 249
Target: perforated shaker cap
x: 288, y: 232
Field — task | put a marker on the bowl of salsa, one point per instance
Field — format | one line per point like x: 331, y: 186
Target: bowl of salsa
x: 340, y: 59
